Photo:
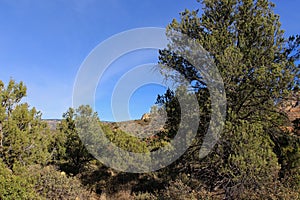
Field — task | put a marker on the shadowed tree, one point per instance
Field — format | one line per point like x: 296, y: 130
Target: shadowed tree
x: 259, y: 70
x: 73, y: 150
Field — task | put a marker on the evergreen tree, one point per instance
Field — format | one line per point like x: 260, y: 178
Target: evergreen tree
x: 246, y: 42
x: 258, y: 68
x: 24, y: 137
x: 71, y: 147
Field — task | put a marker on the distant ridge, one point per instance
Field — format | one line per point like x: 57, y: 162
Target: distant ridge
x: 52, y: 123
x: 139, y: 127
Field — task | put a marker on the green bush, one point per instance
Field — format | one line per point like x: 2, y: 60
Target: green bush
x: 53, y: 184
x: 14, y: 187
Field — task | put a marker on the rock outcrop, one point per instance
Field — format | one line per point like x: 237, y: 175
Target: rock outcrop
x: 291, y: 107
x: 146, y: 117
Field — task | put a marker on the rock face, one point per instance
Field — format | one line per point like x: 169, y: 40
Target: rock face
x: 149, y: 125
x: 292, y: 107
x: 146, y: 117
x: 293, y: 111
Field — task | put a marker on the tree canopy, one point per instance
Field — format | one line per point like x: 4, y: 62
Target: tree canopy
x: 24, y: 137
x: 259, y: 70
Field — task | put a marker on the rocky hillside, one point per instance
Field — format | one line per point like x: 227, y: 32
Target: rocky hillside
x: 146, y: 126
x: 149, y: 125
x: 291, y: 108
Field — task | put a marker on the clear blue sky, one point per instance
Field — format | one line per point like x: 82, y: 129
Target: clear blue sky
x: 44, y: 42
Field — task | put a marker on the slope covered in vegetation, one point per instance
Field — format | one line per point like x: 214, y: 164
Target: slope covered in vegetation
x: 255, y: 157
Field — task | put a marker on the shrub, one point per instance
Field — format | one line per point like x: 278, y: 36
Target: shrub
x: 53, y: 184
x: 15, y: 187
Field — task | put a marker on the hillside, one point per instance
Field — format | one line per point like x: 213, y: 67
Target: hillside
x: 139, y: 127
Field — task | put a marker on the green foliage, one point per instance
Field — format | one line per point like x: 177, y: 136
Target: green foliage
x: 25, y: 142
x: 71, y: 148
x: 257, y: 64
x: 251, y: 164
x: 124, y: 140
x: 53, y: 184
x: 254, y: 159
x: 290, y: 158
x: 15, y: 187
x: 81, y: 136
x: 36, y: 182
x: 170, y: 103
x: 24, y: 138
x: 121, y: 144
x: 245, y: 40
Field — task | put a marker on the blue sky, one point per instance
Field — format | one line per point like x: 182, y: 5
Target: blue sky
x: 44, y: 42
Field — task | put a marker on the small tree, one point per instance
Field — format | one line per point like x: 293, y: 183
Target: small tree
x: 73, y: 150
x: 15, y: 187
x: 24, y: 137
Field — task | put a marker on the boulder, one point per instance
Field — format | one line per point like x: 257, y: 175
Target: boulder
x: 146, y: 117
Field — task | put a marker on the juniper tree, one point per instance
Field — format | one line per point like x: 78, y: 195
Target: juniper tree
x: 71, y: 147
x: 258, y: 67
x: 24, y: 137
